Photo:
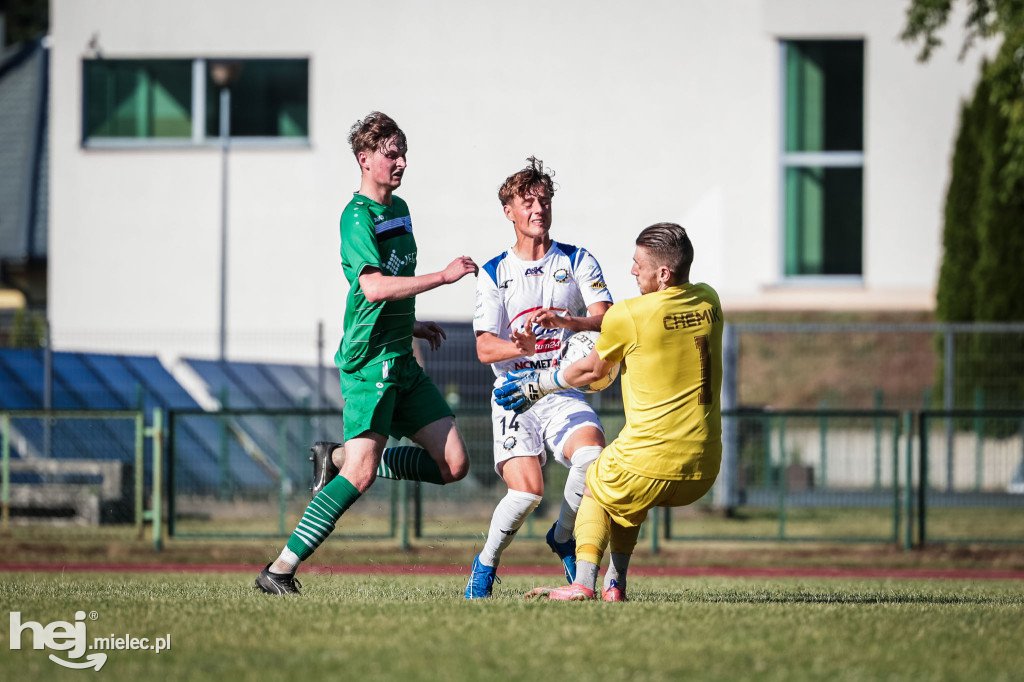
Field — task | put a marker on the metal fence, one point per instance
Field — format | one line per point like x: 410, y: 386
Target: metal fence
x: 79, y: 466
x: 812, y: 426
x: 806, y: 475
x: 858, y: 366
x: 970, y: 476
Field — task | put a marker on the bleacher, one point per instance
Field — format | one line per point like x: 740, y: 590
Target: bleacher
x: 259, y: 386
x: 207, y: 462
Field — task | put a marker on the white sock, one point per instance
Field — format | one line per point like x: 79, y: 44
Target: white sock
x: 289, y: 558
x: 618, y: 564
x: 586, y: 574
x: 508, y: 516
x: 573, y: 493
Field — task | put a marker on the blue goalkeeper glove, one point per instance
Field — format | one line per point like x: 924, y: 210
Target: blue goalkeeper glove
x: 524, y: 387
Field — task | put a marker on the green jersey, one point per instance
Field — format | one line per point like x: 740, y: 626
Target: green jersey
x: 376, y: 236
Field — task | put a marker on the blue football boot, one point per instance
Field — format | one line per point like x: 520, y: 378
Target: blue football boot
x: 481, y: 580
x: 566, y: 551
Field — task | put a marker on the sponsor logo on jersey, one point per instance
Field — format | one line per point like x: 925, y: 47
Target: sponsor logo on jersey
x: 535, y: 272
x: 546, y: 363
x: 598, y: 284
x: 692, y: 318
x: 509, y: 443
x: 561, y: 275
x: 395, y: 263
x: 548, y: 345
x: 378, y: 218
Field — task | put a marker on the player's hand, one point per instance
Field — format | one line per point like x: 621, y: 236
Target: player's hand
x: 459, y: 268
x: 546, y: 318
x: 524, y: 387
x: 525, y: 341
x: 520, y: 390
x: 430, y: 332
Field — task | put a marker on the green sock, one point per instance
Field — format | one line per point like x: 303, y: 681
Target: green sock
x: 322, y: 513
x: 411, y: 464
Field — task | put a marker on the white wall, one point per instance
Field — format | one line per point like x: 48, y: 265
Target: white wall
x: 647, y: 111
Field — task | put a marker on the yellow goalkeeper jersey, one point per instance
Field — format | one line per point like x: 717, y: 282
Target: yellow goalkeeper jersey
x: 670, y: 343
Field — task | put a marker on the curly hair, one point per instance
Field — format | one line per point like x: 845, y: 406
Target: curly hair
x: 373, y: 132
x: 519, y: 184
x: 671, y: 247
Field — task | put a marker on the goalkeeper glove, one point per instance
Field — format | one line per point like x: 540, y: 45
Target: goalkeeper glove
x: 524, y: 387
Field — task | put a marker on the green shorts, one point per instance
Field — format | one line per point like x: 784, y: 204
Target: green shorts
x: 397, y: 401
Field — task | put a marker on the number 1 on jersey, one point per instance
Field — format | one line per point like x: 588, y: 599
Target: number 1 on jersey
x: 704, y: 351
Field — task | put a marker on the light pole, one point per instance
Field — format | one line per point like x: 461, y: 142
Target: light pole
x: 224, y: 74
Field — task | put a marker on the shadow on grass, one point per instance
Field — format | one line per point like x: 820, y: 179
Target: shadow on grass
x: 808, y: 597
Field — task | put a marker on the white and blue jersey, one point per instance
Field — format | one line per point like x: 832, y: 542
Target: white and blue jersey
x: 567, y: 279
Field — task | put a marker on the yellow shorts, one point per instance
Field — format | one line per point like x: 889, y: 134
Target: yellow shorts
x: 627, y: 497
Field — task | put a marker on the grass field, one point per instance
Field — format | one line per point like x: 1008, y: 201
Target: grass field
x: 420, y: 628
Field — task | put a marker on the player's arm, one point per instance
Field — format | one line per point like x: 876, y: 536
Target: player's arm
x: 585, y: 371
x: 377, y: 286
x: 549, y: 319
x: 522, y: 388
x: 491, y: 349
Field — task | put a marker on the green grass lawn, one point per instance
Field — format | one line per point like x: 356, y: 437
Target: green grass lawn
x: 420, y: 628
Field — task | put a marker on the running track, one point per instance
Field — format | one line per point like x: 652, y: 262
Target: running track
x: 447, y: 569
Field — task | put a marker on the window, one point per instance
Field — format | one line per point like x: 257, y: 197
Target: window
x: 138, y: 99
x: 133, y: 102
x: 269, y: 99
x: 823, y: 157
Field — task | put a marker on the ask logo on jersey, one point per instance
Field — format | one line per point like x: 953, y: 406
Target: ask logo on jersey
x: 534, y: 272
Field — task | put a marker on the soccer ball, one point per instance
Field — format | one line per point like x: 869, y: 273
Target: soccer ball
x: 577, y: 347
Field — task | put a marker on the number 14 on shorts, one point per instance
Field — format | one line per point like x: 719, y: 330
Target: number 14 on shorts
x: 512, y: 425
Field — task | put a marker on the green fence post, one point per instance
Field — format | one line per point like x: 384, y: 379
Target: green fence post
x: 224, y: 454
x: 417, y: 510
x: 896, y: 490
x: 393, y: 508
x: 979, y: 437
x: 282, y: 479
x: 654, y: 530
x: 922, y: 483
x: 822, y: 446
x: 908, y: 498
x: 879, y: 397
x: 403, y: 512
x: 782, y: 482
x: 158, y: 470
x: 5, y: 469
x: 140, y: 471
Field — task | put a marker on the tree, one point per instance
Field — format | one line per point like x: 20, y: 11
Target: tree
x: 983, y: 236
x: 985, y: 19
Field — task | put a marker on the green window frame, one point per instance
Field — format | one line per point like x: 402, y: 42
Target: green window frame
x: 175, y: 102
x: 823, y: 158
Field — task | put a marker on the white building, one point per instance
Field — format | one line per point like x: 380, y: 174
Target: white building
x: 800, y: 142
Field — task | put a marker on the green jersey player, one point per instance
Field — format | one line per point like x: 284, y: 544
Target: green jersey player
x: 386, y: 392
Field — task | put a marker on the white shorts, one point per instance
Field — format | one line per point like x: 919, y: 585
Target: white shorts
x: 549, y: 422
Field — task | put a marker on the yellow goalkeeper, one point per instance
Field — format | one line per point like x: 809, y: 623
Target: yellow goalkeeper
x: 669, y: 340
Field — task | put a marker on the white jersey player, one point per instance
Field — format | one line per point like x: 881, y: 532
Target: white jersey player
x: 529, y: 299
